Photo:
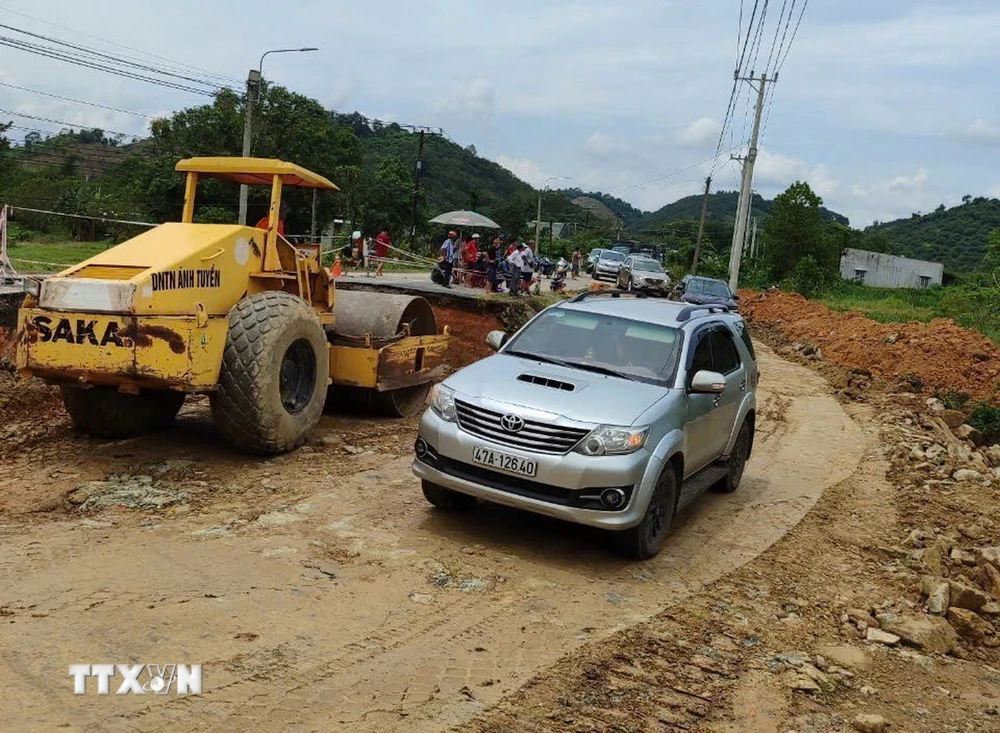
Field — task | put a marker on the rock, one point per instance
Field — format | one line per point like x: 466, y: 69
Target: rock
x: 862, y: 619
x: 964, y: 596
x: 330, y: 440
x: 967, y: 474
x: 935, y: 405
x: 881, y: 637
x: 937, y: 593
x: 993, y: 455
x: 990, y: 578
x: 990, y: 609
x: 353, y: 450
x: 931, y: 634
x: 822, y: 680
x: 967, y: 432
x: 959, y: 453
x: 933, y: 558
x: 970, y: 625
x: 865, y: 723
x: 801, y: 682
x: 845, y: 655
x: 962, y: 557
x: 868, y: 691
x: 953, y: 418
x: 920, y: 538
x: 988, y: 554
x: 973, y: 531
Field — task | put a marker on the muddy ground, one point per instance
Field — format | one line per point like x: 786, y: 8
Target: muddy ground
x: 320, y: 592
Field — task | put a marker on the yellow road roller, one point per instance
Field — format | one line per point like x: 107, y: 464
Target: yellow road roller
x: 235, y: 312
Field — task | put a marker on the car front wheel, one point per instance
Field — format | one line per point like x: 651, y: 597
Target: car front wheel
x: 646, y: 539
x: 736, y: 464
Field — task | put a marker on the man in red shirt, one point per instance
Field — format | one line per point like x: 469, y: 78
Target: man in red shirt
x: 282, y: 213
x: 471, y: 256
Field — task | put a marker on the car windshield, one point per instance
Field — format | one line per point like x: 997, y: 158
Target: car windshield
x: 644, y: 352
x: 612, y: 255
x: 647, y: 266
x: 709, y: 287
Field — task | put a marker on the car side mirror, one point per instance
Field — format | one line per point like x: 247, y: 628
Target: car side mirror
x: 706, y: 382
x: 496, y: 339
x: 735, y: 296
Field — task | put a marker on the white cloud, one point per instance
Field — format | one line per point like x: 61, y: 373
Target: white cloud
x: 982, y: 132
x: 782, y: 170
x: 702, y: 131
x: 909, y: 183
x: 994, y: 191
x: 526, y: 170
x: 474, y: 102
x: 600, y: 145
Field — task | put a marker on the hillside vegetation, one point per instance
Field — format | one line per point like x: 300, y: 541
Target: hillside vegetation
x: 958, y: 236
x: 721, y: 209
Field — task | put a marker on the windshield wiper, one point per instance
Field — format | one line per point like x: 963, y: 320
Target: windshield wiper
x: 597, y: 368
x: 538, y: 357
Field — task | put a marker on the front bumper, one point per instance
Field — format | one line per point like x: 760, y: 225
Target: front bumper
x: 558, y: 489
x: 660, y: 287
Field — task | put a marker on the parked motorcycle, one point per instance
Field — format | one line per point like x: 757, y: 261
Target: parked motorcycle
x: 558, y: 283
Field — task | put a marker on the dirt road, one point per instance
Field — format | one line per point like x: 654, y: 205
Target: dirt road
x: 319, y: 591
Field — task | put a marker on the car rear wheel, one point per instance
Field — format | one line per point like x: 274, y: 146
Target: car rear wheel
x: 646, y: 539
x: 446, y: 499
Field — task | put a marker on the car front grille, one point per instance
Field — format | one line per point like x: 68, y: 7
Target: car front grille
x: 534, y: 436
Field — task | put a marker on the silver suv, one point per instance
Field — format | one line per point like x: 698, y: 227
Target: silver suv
x: 611, y: 410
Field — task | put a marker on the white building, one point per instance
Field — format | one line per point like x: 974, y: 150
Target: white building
x: 889, y: 271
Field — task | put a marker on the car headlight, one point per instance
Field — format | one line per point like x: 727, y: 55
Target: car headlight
x: 443, y: 402
x: 612, y: 439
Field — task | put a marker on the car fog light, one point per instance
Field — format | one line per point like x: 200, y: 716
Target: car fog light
x: 613, y: 498
x: 420, y: 448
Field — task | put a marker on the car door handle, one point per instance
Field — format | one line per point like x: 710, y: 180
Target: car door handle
x: 717, y: 400
x: 743, y: 384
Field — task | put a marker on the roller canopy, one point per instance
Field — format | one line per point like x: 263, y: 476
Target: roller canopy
x: 255, y: 171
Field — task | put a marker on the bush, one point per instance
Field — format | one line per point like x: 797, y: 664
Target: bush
x: 808, y: 277
x: 986, y: 419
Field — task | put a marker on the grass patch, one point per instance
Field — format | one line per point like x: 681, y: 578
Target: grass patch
x: 973, y: 305
x: 59, y: 253
x: 986, y: 419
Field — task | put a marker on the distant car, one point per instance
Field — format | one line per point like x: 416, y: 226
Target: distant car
x: 608, y: 264
x: 592, y: 258
x: 639, y: 272
x: 705, y: 291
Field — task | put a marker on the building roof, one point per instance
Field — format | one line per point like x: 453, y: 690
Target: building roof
x: 255, y: 171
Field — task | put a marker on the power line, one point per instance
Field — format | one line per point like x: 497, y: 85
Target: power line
x: 77, y: 101
x: 777, y: 30
x: 668, y: 175
x: 784, y: 35
x: 109, y: 57
x: 122, y: 45
x: 63, y: 122
x: 794, y: 33
x: 86, y: 63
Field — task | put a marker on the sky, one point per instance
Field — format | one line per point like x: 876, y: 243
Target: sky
x: 885, y: 107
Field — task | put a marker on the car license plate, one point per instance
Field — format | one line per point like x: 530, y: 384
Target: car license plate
x: 504, y: 461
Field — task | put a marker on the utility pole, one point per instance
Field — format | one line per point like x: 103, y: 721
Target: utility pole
x: 416, y: 189
x: 701, y: 227
x: 538, y: 223
x: 743, y: 210
x: 753, y: 240
x: 253, y: 85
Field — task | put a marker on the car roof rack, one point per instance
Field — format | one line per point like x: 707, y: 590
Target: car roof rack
x: 609, y: 293
x: 710, y: 308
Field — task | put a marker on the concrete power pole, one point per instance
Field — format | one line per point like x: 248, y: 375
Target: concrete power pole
x: 701, y: 227
x: 743, y: 209
x: 253, y: 84
x: 416, y: 188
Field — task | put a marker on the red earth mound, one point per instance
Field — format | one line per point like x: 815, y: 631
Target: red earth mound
x: 941, y: 354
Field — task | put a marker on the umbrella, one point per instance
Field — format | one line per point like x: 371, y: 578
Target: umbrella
x: 465, y: 219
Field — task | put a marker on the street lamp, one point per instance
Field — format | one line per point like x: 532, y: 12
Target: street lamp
x: 538, y: 217
x: 253, y: 85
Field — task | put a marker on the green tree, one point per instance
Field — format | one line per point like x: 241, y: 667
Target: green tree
x: 794, y: 229
x: 513, y: 215
x: 992, y: 257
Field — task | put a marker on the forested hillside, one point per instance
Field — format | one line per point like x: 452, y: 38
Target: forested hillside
x: 626, y: 212
x: 721, y: 209
x: 957, y: 236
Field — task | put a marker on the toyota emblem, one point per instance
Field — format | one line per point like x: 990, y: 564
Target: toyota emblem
x: 512, y: 423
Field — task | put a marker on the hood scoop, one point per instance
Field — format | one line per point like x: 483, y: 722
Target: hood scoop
x: 546, y: 382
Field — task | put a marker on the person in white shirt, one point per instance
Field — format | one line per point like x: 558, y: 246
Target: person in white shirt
x: 516, y: 261
x: 528, y: 269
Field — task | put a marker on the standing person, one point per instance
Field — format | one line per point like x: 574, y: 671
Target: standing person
x: 577, y: 256
x: 448, y: 257
x: 516, y: 261
x: 382, y: 244
x: 492, y: 252
x: 282, y: 215
x: 528, y: 268
x: 471, y: 256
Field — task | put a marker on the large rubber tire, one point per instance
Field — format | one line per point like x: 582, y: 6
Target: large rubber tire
x: 446, y: 499
x: 646, y: 539
x: 105, y: 412
x: 275, y: 371
x: 737, y: 461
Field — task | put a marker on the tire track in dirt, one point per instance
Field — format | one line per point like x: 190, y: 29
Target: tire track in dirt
x: 426, y: 619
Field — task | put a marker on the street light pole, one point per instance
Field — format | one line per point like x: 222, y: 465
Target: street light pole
x: 538, y: 216
x: 253, y: 87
